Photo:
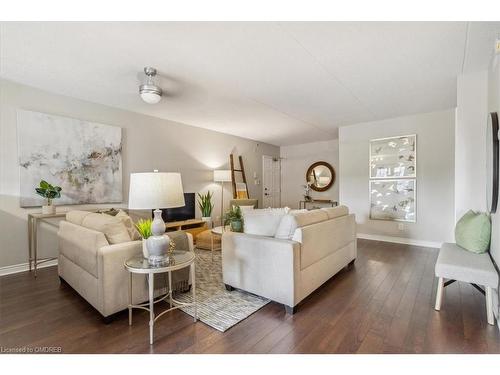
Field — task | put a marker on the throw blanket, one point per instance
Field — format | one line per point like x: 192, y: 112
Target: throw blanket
x: 180, y: 278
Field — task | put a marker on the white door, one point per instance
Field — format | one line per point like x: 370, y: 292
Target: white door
x: 271, y: 181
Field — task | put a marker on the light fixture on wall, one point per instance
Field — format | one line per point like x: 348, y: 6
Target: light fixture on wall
x: 150, y: 92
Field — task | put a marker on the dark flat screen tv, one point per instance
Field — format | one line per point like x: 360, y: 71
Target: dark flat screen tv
x: 180, y: 213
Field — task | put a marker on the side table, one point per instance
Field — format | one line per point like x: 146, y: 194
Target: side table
x: 177, y: 260
x: 217, y: 231
x: 33, y: 221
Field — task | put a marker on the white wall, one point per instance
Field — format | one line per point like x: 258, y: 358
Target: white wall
x: 470, y: 138
x: 494, y: 106
x: 148, y: 143
x: 477, y: 95
x: 435, y: 174
x: 294, y: 164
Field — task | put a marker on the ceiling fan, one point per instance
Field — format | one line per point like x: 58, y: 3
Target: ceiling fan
x: 149, y: 91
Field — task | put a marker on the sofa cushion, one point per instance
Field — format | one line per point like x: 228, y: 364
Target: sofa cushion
x: 456, y: 263
x: 76, y: 216
x: 112, y: 227
x: 287, y: 226
x: 129, y: 224
x: 297, y: 219
x: 109, y: 211
x: 334, y: 212
x: 263, y: 222
x: 310, y: 217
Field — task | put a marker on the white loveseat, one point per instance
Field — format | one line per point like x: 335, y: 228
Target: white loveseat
x: 92, y: 251
x: 313, y: 246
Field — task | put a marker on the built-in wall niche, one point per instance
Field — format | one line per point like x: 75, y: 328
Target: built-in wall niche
x: 392, y: 179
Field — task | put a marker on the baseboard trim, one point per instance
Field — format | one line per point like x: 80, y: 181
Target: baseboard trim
x: 402, y: 240
x: 23, y: 267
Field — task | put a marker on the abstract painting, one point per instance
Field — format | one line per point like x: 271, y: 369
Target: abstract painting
x: 84, y: 158
x: 393, y: 200
x: 393, y: 157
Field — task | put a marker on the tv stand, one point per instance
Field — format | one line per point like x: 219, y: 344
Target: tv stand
x: 193, y: 226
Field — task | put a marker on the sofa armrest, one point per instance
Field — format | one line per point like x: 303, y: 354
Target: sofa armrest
x: 119, y: 252
x: 80, y: 244
x: 190, y: 241
x: 114, y: 278
x: 266, y: 266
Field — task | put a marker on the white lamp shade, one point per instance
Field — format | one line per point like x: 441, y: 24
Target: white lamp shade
x: 155, y: 190
x: 222, y: 175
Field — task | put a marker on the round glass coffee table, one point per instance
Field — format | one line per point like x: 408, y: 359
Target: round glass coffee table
x: 177, y: 260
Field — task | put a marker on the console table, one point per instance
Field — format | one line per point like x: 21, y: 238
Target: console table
x: 33, y: 220
x: 318, y: 201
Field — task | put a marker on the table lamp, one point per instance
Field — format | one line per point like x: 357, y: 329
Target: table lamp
x: 154, y: 191
x: 222, y: 176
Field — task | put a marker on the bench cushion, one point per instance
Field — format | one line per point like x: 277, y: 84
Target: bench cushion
x: 459, y: 264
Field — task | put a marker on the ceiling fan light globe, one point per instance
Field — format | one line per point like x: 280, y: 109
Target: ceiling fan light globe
x: 149, y: 91
x: 150, y: 94
x: 150, y: 98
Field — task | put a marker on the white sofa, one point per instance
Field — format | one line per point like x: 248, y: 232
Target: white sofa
x: 286, y: 270
x: 94, y: 267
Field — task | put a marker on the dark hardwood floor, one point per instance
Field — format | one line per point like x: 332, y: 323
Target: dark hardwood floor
x: 382, y: 305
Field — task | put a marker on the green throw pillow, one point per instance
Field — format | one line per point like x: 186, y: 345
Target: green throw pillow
x: 473, y: 232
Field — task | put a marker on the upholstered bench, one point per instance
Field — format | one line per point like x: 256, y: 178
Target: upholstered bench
x: 455, y: 263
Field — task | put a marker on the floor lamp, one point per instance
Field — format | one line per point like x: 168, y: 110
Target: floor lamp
x: 222, y: 176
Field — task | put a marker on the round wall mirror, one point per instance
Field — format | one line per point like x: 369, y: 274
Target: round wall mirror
x: 320, y: 176
x: 492, y: 162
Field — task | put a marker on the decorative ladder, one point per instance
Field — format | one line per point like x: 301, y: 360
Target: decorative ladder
x: 243, y: 176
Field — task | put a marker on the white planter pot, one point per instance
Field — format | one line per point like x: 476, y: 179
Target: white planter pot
x: 145, y: 252
x: 207, y: 219
x: 48, y: 210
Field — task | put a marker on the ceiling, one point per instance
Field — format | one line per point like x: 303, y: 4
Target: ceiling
x: 277, y: 82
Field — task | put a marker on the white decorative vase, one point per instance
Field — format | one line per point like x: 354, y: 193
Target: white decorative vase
x: 48, y: 210
x: 145, y: 252
x: 158, y: 249
x: 158, y: 243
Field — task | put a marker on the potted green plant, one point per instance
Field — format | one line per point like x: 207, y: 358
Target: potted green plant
x: 234, y: 218
x: 49, y: 192
x: 144, y: 228
x: 206, y: 206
